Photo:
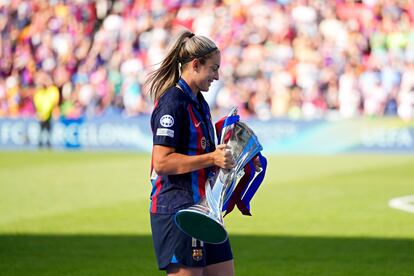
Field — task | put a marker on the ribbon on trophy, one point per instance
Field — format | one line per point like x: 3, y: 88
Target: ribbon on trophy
x: 249, y: 183
x: 225, y: 122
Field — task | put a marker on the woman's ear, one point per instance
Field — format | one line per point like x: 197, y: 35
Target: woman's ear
x: 195, y: 64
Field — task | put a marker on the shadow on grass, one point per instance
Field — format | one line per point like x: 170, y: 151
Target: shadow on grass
x: 254, y: 255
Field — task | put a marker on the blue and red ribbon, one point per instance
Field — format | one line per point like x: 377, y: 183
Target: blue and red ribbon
x: 248, y: 185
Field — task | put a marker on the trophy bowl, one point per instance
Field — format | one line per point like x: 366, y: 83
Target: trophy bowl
x: 200, y: 222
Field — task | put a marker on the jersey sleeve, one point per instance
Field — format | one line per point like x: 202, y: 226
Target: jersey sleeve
x: 166, y: 122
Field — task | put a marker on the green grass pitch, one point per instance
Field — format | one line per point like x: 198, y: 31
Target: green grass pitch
x: 83, y: 213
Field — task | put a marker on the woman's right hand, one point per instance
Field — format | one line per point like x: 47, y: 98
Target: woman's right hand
x: 222, y: 157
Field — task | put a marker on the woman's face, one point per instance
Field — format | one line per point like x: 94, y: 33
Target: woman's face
x: 208, y: 72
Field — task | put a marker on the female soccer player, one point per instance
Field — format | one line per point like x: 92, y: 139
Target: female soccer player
x: 184, y: 155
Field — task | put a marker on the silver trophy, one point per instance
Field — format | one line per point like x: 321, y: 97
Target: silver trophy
x: 204, y: 220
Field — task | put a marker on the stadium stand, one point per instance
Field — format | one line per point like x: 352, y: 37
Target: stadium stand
x: 296, y: 59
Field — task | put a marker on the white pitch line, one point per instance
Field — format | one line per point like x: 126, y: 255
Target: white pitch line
x: 403, y: 203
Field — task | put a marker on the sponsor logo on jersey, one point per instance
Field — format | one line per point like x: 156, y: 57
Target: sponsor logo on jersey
x: 165, y: 132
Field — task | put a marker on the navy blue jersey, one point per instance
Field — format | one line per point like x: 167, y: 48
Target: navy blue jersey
x: 182, y: 121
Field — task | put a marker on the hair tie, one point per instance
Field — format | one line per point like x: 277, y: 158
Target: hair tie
x: 188, y: 38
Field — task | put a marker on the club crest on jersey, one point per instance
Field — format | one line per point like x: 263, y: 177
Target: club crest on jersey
x: 203, y: 143
x: 167, y: 121
x: 197, y: 254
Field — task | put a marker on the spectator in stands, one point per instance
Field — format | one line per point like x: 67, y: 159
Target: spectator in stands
x: 46, y: 99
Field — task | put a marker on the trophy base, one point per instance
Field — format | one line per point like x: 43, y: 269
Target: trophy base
x: 200, y: 226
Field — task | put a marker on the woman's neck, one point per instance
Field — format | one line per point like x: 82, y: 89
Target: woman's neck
x: 190, y: 83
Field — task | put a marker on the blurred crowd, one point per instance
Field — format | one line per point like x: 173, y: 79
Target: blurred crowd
x: 280, y: 58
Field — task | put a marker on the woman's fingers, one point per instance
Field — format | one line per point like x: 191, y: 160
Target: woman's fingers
x: 223, y: 157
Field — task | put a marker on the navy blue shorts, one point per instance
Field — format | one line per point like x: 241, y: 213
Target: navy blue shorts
x: 174, y: 246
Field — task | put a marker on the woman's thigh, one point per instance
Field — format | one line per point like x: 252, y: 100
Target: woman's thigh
x: 220, y: 269
x: 179, y: 270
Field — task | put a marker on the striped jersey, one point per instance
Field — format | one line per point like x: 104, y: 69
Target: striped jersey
x: 183, y: 121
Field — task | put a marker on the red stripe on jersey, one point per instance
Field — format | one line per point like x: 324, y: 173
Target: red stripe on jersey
x: 154, y: 197
x: 201, y: 172
x: 202, y: 182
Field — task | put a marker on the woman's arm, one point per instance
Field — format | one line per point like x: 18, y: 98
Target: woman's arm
x: 167, y: 162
